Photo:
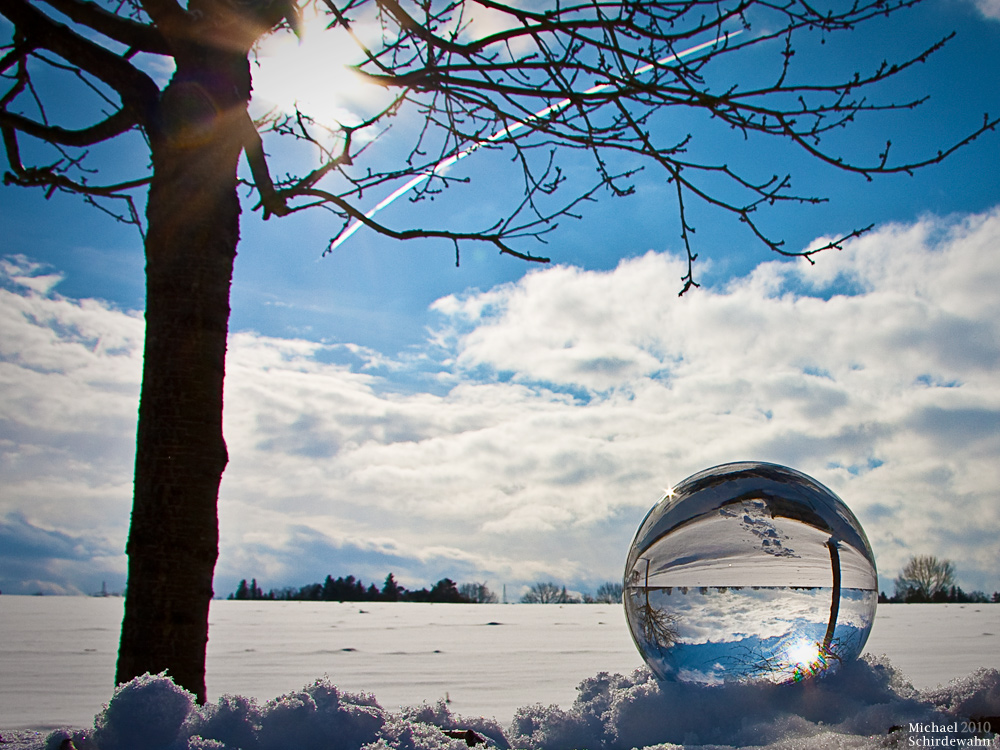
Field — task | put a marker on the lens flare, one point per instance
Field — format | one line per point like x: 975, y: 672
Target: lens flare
x: 809, y: 659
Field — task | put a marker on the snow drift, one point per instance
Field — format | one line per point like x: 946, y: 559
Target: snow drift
x: 866, y: 704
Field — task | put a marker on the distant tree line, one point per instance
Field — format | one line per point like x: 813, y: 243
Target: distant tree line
x: 926, y: 579
x: 953, y: 595
x: 547, y: 592
x: 351, y: 589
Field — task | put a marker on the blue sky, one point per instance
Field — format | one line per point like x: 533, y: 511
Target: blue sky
x: 500, y: 421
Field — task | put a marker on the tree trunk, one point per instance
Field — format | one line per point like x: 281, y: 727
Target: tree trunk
x: 831, y: 626
x: 193, y: 229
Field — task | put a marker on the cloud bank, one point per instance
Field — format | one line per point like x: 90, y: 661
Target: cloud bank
x: 528, y: 436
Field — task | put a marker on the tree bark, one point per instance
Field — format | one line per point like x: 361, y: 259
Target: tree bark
x: 193, y: 229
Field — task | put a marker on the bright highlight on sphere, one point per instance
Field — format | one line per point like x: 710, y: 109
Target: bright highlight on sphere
x: 749, y: 572
x: 803, y: 653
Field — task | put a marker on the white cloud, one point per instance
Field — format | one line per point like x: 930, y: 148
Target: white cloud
x: 989, y: 8
x: 577, y: 397
x: 69, y: 372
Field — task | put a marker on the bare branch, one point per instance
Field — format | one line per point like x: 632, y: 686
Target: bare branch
x: 118, y: 123
x: 493, y: 238
x: 168, y: 16
x: 51, y: 176
x: 138, y: 36
x: 138, y: 91
x: 581, y: 77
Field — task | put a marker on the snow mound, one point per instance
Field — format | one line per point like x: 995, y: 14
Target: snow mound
x: 163, y: 707
x: 866, y: 704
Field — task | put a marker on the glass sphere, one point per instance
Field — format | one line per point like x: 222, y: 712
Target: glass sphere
x: 749, y: 572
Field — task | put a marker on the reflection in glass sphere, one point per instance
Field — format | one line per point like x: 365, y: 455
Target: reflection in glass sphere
x: 749, y: 572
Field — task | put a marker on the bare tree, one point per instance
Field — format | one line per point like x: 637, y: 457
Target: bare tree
x: 609, y: 593
x: 477, y: 593
x: 540, y: 80
x: 547, y: 592
x: 925, y: 576
x: 654, y: 627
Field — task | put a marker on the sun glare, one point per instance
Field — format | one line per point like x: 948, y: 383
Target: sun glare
x: 803, y: 653
x: 312, y: 75
x: 808, y: 659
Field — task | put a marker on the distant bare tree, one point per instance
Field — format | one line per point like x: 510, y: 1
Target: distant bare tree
x: 925, y: 576
x: 477, y: 593
x: 609, y: 593
x: 547, y: 592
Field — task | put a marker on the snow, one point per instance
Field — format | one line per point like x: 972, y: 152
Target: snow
x: 545, y: 677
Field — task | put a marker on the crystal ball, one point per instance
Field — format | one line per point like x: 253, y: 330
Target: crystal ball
x: 749, y: 572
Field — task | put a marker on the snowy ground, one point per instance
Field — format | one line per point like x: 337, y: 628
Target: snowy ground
x: 57, y: 663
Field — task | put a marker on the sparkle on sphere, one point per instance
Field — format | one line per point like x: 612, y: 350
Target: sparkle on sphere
x: 749, y: 572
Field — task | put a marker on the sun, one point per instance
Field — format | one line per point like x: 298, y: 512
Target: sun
x: 312, y: 75
x: 808, y: 659
x: 802, y: 653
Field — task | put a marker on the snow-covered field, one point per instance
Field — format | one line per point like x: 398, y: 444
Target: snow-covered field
x: 57, y: 657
